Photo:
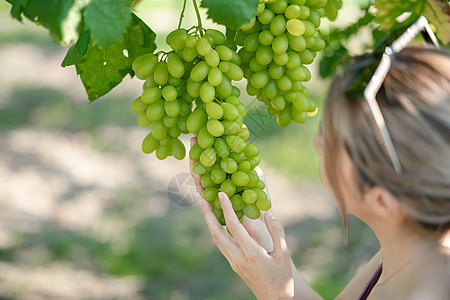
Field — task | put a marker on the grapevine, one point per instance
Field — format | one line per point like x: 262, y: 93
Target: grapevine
x: 189, y: 90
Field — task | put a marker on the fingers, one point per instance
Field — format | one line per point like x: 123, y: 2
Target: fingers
x: 260, y: 172
x: 258, y: 231
x: 277, y: 233
x: 221, y: 238
x: 234, y: 226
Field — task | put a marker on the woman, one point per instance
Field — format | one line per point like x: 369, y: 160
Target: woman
x: 405, y: 202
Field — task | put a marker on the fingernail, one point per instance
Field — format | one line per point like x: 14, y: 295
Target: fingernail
x: 222, y: 196
x: 270, y: 215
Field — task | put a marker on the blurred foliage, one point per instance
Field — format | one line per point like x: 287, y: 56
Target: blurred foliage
x: 381, y: 18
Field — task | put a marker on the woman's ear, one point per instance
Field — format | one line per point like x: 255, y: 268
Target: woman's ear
x: 381, y: 202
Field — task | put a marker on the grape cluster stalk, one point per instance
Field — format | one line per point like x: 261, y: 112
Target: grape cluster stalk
x: 276, y: 47
x: 190, y: 90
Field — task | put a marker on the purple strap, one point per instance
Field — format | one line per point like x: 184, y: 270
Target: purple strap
x: 369, y: 286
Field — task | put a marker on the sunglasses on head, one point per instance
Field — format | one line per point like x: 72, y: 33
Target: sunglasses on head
x: 368, y: 63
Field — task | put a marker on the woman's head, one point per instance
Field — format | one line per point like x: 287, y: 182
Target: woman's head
x: 415, y: 102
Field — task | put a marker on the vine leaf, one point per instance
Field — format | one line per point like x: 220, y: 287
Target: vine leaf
x: 17, y: 8
x: 101, y: 69
x: 388, y: 11
x: 61, y: 17
x: 107, y: 26
x: 231, y: 13
x: 76, y: 53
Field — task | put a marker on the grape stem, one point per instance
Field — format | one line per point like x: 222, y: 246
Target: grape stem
x: 199, y: 19
x: 182, y: 14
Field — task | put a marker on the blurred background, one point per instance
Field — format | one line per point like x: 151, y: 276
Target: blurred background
x: 84, y: 214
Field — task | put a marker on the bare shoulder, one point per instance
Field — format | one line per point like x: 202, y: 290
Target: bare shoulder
x: 357, y: 284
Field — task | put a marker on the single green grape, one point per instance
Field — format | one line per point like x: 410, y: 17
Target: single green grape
x: 208, y: 157
x: 161, y: 74
x: 199, y: 71
x: 207, y: 92
x: 196, y: 120
x: 221, y: 148
x: 175, y: 66
x: 295, y: 27
x: 230, y: 111
x: 278, y: 25
x: 214, y: 110
x: 199, y: 169
x: 172, y: 108
x: 177, y: 148
x: 207, y: 182
x: 228, y: 165
x: 240, y: 178
x: 156, y: 110
x: 215, y: 127
x: 251, y: 211
x: 138, y: 106
x: 169, y: 93
x: 280, y: 44
x: 204, y: 138
x: 210, y: 194
x: 215, y: 76
x: 292, y: 11
x: 203, y: 46
x: 228, y: 187
x: 237, y: 202
x: 150, y: 143
x: 217, y: 174
x: 194, y: 153
x: 159, y: 130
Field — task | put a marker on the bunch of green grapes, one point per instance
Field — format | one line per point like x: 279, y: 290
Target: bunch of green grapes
x: 276, y: 47
x: 331, y: 9
x: 163, y: 104
x: 198, y: 75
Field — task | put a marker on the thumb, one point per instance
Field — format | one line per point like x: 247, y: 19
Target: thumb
x: 277, y: 233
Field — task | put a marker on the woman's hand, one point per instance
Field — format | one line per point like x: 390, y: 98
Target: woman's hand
x: 268, y: 274
x: 256, y: 228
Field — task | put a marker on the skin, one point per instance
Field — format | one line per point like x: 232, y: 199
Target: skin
x: 415, y: 264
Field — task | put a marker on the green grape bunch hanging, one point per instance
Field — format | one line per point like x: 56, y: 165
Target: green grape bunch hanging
x: 190, y: 90
x: 276, y: 47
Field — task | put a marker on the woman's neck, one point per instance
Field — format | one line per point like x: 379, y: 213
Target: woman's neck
x: 410, y: 254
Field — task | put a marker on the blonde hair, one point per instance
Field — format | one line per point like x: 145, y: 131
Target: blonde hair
x: 415, y: 102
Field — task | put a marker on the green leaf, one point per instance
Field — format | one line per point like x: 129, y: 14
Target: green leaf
x: 388, y: 11
x: 101, y: 69
x: 329, y: 64
x: 76, y: 53
x: 61, y: 17
x: 435, y: 14
x: 17, y: 8
x: 231, y: 13
x: 107, y: 20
